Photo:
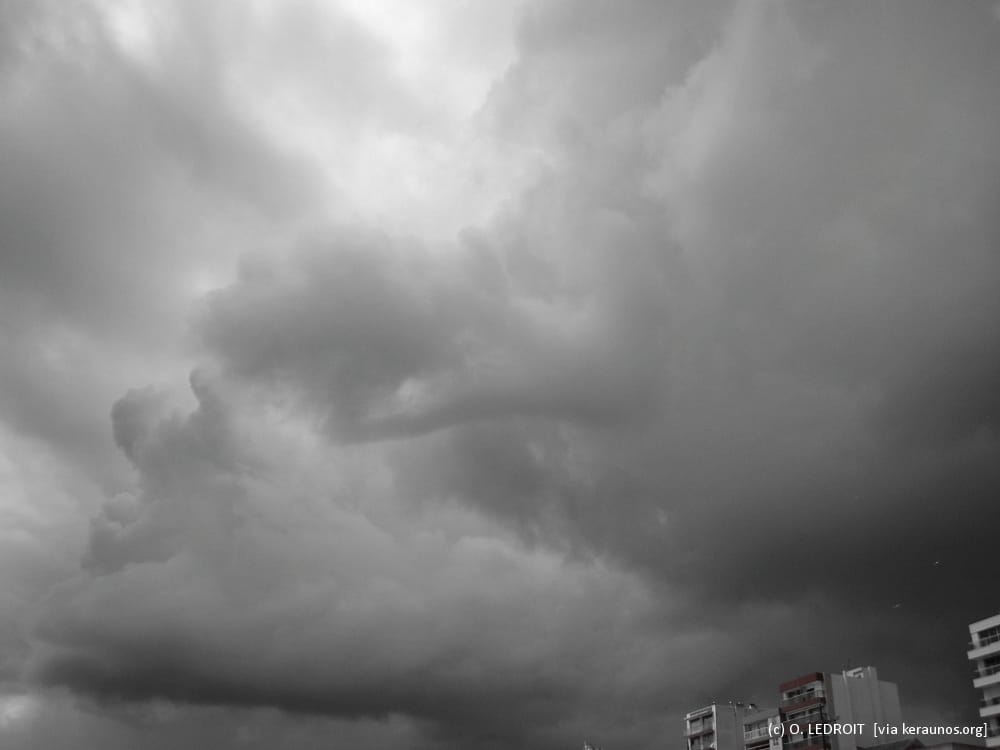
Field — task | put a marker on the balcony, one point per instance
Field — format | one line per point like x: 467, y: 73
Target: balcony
x: 801, y: 701
x: 700, y: 731
x: 984, y: 646
x: 765, y: 732
x: 988, y: 675
x: 809, y: 743
x: 811, y: 725
x: 993, y: 735
x: 809, y: 740
x: 810, y: 714
x: 980, y: 642
x: 989, y: 707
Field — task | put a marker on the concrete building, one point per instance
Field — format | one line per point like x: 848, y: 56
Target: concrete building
x: 859, y: 696
x: 984, y: 653
x: 699, y: 728
x: 853, y: 697
x: 719, y: 726
x: 761, y: 730
x: 805, y: 705
x: 912, y: 743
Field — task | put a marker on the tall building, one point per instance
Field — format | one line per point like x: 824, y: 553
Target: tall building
x: 804, y: 702
x: 855, y: 696
x: 985, y: 655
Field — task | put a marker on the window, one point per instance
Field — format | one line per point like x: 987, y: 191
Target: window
x: 806, y: 692
x: 986, y: 637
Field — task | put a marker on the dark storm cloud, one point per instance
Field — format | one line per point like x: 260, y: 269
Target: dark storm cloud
x: 376, y: 609
x: 711, y: 402
x: 393, y: 342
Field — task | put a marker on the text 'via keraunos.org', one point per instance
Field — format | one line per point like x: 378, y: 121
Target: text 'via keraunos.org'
x: 872, y: 729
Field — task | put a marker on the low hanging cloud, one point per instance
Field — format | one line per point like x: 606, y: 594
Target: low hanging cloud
x: 270, y: 569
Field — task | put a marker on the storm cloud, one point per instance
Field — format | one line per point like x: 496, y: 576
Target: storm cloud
x: 428, y: 378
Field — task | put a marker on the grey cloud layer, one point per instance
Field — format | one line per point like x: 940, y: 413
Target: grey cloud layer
x: 711, y: 402
x: 393, y: 342
x: 250, y: 570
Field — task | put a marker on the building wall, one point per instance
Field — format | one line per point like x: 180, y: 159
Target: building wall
x: 760, y: 730
x: 984, y: 653
x: 719, y: 726
x: 699, y: 727
x: 855, y: 696
x: 859, y: 697
x: 730, y: 727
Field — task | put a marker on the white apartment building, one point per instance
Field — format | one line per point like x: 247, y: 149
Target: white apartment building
x: 984, y: 653
x: 718, y: 726
x: 762, y: 730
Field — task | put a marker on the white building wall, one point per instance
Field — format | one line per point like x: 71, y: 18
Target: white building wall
x: 984, y: 654
x: 859, y: 697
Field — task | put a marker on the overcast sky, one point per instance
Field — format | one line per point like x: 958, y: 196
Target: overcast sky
x: 389, y: 374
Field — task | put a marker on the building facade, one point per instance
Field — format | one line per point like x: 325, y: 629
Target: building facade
x: 721, y: 726
x: 854, y: 697
x: 761, y: 730
x: 984, y: 653
x: 805, y: 704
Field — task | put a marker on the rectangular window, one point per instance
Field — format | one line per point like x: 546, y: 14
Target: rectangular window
x: 988, y: 636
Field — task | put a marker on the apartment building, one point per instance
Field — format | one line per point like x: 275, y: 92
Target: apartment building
x: 761, y: 730
x: 720, y: 726
x: 805, y: 704
x: 852, y: 697
x: 984, y: 653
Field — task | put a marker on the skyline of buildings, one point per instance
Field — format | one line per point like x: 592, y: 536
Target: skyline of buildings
x: 854, y: 697
x: 855, y: 700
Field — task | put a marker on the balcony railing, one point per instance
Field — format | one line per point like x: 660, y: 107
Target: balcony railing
x: 990, y: 639
x: 807, y: 719
x: 986, y: 671
x: 802, y: 698
x: 808, y: 742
